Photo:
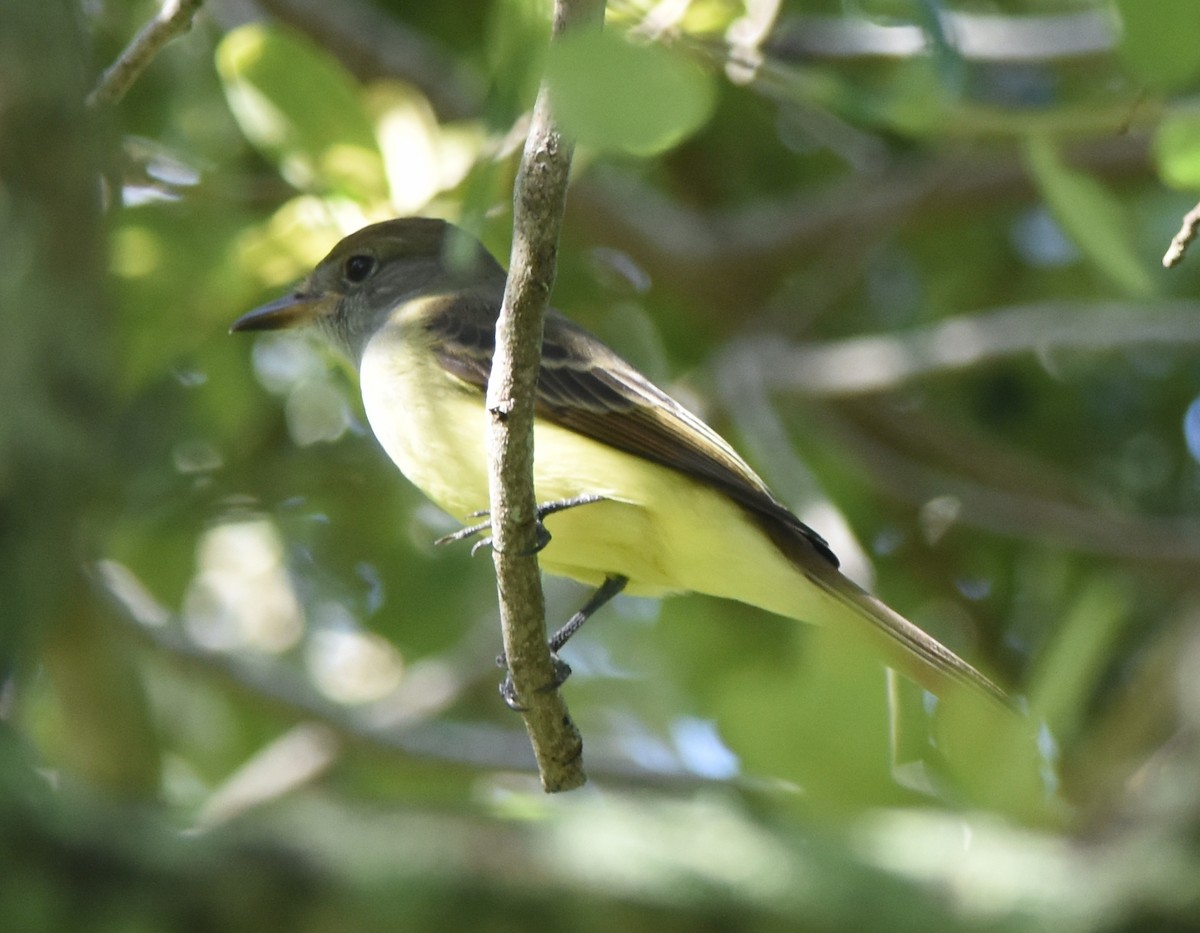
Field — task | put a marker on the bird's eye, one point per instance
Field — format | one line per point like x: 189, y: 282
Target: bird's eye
x: 358, y: 268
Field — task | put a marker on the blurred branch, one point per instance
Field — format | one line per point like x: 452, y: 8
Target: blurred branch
x: 1106, y: 531
x: 766, y: 29
x: 879, y: 363
x: 174, y: 19
x: 301, y: 755
x: 982, y: 37
x: 372, y: 43
x: 919, y: 458
x: 1182, y: 239
x: 539, y: 202
x: 403, y: 722
x: 991, y: 487
x: 417, y: 698
x: 386, y: 724
x: 725, y: 258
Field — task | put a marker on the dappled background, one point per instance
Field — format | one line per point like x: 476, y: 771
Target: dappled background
x: 905, y: 255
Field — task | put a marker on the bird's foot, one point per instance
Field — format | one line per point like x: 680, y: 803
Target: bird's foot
x: 508, y: 690
x: 469, y: 531
x: 543, y: 536
x: 611, y: 586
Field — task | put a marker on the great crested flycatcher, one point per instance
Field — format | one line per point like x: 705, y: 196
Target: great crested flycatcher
x: 662, y: 503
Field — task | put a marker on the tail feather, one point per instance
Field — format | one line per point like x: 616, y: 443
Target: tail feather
x: 936, y: 662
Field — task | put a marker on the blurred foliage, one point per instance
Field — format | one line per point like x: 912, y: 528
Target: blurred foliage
x: 904, y: 254
x: 587, y: 71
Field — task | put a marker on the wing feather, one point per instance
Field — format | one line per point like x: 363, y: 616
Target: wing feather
x: 585, y: 387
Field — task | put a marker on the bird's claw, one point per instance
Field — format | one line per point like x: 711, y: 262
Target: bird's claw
x: 541, y: 533
x: 542, y: 537
x: 468, y: 531
x: 508, y: 690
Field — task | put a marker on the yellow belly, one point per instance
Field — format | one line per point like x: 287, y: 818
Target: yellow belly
x: 657, y: 527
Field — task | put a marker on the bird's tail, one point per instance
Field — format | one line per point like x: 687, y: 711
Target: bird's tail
x: 923, y: 658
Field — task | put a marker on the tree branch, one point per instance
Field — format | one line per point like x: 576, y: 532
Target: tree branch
x: 886, y: 362
x: 173, y: 19
x: 1180, y: 242
x: 722, y: 259
x: 538, y: 206
x: 1167, y: 543
x: 408, y: 722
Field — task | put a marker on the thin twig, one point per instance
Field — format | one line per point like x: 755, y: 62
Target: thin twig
x: 538, y: 206
x: 1182, y: 239
x: 173, y: 19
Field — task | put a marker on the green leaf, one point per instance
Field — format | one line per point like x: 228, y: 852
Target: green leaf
x: 1177, y: 150
x: 1090, y: 214
x: 302, y: 111
x: 618, y: 97
x: 1158, y: 41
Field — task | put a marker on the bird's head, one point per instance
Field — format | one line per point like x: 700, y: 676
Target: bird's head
x: 368, y: 275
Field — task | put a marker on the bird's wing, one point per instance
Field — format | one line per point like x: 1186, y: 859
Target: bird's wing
x: 585, y: 387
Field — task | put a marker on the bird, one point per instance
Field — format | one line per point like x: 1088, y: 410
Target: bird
x: 637, y: 494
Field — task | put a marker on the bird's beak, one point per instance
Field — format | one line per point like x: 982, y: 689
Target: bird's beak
x: 288, y: 311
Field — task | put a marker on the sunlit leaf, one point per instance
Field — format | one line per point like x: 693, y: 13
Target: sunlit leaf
x: 694, y: 18
x: 616, y: 96
x: 409, y: 137
x: 283, y: 248
x: 299, y: 107
x: 1091, y: 214
x: 1177, y: 149
x: 711, y: 16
